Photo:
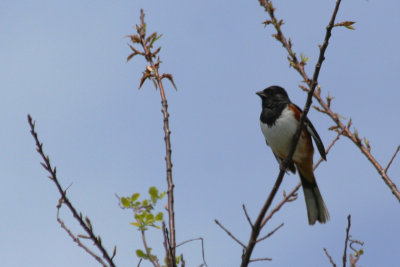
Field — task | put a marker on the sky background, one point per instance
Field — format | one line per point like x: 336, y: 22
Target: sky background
x: 64, y: 62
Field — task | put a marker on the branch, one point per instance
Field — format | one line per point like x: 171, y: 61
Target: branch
x: 230, y: 234
x: 152, y: 72
x: 299, y: 67
x: 85, y: 224
x: 78, y: 241
x: 270, y: 233
x: 346, y: 240
x: 202, y: 247
x: 167, y: 246
x: 257, y: 225
x: 247, y: 216
x: 152, y: 259
x: 261, y: 259
x: 292, y: 194
x: 330, y: 258
x: 391, y: 160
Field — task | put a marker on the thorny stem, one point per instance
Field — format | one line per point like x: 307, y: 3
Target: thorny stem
x: 167, y: 133
x: 78, y: 216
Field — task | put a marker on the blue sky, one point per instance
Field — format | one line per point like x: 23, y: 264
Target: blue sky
x: 64, y: 63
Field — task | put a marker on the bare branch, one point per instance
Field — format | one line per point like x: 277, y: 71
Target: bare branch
x: 261, y: 259
x: 391, y: 160
x: 247, y: 216
x: 85, y: 224
x: 78, y: 241
x: 230, y: 234
x: 330, y: 258
x: 346, y: 240
x: 312, y: 84
x: 153, y: 260
x: 270, y: 233
x: 202, y: 247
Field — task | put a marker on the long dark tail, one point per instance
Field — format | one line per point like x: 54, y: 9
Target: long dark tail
x: 316, y: 208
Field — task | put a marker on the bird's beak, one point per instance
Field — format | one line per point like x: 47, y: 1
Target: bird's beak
x: 260, y: 94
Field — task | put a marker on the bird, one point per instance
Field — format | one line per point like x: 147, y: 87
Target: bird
x: 279, y: 120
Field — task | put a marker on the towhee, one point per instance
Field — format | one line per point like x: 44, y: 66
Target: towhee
x: 279, y: 120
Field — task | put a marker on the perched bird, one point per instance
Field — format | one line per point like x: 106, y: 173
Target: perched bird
x: 279, y: 120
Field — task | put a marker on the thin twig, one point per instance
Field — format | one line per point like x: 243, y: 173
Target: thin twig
x: 346, y: 240
x: 230, y: 234
x: 247, y: 216
x: 152, y: 259
x: 78, y: 241
x: 140, y: 261
x: 270, y: 233
x: 202, y: 247
x: 391, y: 160
x: 353, y: 241
x: 86, y: 225
x: 330, y: 258
x: 261, y: 259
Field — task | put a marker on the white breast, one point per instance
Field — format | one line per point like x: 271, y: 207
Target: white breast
x: 279, y: 136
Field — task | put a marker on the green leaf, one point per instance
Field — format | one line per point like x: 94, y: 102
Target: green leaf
x: 145, y: 203
x: 155, y: 39
x: 304, y: 58
x: 135, y: 196
x: 153, y: 191
x: 162, y: 195
x: 125, y: 202
x: 135, y: 224
x: 159, y: 216
x: 141, y: 254
x: 347, y: 24
x: 149, y: 217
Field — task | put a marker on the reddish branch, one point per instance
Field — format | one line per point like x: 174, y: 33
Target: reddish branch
x: 299, y: 66
x: 152, y: 72
x: 167, y: 139
x: 85, y: 223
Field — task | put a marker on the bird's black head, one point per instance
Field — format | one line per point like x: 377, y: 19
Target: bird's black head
x: 273, y: 96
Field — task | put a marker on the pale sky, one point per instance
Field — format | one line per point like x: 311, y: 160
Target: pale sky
x: 63, y: 62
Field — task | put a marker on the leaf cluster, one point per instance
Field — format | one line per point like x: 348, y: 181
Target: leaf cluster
x: 144, y: 209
